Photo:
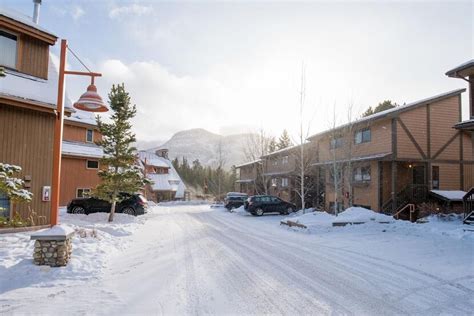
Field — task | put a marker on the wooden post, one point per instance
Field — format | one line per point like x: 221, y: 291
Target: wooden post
x: 394, y: 186
x: 58, y: 135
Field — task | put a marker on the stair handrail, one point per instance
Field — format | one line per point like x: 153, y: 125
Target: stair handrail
x: 411, y: 208
x: 468, y: 202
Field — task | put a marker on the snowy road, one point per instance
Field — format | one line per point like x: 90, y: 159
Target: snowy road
x: 194, y: 260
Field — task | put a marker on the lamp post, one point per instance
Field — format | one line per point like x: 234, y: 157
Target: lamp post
x: 90, y: 101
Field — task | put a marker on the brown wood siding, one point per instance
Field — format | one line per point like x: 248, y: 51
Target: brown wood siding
x: 415, y: 121
x: 444, y: 115
x: 280, y: 166
x: 467, y: 144
x: 449, y: 176
x: 248, y: 172
x: 74, y: 175
x: 468, y: 177
x: 77, y: 133
x: 34, y: 57
x: 26, y: 139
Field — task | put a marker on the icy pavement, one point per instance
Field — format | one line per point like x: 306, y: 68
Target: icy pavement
x: 184, y: 259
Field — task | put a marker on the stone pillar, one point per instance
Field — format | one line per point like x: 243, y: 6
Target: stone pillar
x: 53, y: 247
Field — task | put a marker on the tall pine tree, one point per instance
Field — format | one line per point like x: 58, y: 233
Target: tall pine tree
x: 284, y: 140
x: 119, y: 173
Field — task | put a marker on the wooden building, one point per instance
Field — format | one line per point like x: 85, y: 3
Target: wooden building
x: 80, y: 156
x: 250, y: 177
x: 28, y: 96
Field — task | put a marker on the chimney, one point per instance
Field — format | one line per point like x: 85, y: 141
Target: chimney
x: 36, y: 11
x: 162, y: 153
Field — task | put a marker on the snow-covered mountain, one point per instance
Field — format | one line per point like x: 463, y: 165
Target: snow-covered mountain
x: 203, y: 145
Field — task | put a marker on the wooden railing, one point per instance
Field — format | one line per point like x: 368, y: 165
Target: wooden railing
x: 468, y: 202
x: 411, y: 194
x: 409, y: 207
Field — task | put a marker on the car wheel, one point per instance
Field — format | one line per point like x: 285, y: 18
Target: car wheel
x: 128, y: 210
x: 259, y: 212
x: 78, y: 210
x: 289, y: 210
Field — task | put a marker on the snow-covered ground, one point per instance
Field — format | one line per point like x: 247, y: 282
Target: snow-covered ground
x: 192, y: 259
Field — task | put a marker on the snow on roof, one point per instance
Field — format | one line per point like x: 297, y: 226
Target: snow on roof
x: 459, y: 70
x: 245, y: 181
x: 400, y: 108
x: 30, y: 88
x: 248, y: 163
x: 452, y: 195
x: 81, y: 149
x: 170, y: 181
x: 22, y: 18
x: 82, y: 117
x: 284, y: 150
x: 354, y: 159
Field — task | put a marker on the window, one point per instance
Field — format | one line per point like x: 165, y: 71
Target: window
x: 8, y: 49
x: 274, y: 182
x: 4, y: 205
x: 361, y: 174
x: 83, y: 192
x: 92, y: 164
x: 435, y: 177
x: 332, y: 175
x: 362, y: 136
x: 284, y: 160
x: 274, y: 162
x: 284, y: 182
x: 90, y: 136
x: 336, y: 142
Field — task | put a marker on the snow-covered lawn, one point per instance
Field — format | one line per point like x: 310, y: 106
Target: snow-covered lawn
x: 182, y: 258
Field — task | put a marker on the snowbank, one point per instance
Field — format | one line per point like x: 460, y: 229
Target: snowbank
x: 193, y: 202
x: 361, y: 215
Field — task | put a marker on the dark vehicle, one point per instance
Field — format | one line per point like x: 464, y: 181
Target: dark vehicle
x: 260, y: 204
x: 234, y: 201
x: 135, y: 204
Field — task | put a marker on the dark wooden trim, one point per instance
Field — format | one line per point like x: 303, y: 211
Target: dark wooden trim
x: 394, y: 138
x: 428, y: 131
x: 394, y: 186
x: 28, y: 30
x: 380, y: 190
x: 412, y: 139
x: 446, y: 145
x: 461, y: 160
x: 450, y: 161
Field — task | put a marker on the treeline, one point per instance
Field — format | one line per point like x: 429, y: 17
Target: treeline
x: 215, y: 181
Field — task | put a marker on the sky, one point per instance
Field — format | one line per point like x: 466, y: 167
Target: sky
x: 233, y: 67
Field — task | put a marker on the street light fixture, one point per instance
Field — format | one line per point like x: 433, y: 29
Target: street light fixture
x: 90, y: 101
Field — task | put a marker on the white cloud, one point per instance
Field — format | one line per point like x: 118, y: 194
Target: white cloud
x: 134, y: 9
x: 77, y: 12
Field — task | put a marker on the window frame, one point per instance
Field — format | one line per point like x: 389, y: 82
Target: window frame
x: 336, y: 142
x: 363, y: 139
x: 17, y: 48
x: 284, y: 160
x: 83, y: 190
x: 87, y: 164
x: 365, y: 177
x: 285, y: 182
x: 87, y: 135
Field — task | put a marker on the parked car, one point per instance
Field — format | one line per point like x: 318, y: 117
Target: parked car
x: 135, y: 204
x: 235, y: 201
x: 261, y: 204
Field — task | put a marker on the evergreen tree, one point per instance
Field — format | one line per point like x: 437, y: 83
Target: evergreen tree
x: 284, y: 141
x: 11, y: 186
x: 119, y: 173
x: 272, y: 145
x: 382, y: 106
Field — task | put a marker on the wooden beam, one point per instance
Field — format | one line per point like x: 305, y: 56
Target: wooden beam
x: 412, y: 139
x: 445, y: 145
x: 28, y: 30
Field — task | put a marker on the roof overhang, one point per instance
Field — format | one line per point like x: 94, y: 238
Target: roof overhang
x: 18, y: 26
x: 381, y: 156
x: 31, y: 104
x: 462, y: 71
x: 245, y: 181
x: 465, y: 125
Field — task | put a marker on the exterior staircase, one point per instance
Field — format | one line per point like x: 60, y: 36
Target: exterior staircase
x: 406, y: 201
x: 468, y: 201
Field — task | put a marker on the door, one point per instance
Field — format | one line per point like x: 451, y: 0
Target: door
x: 419, y: 175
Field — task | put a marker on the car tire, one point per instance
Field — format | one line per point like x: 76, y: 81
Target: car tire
x: 259, y: 212
x: 78, y: 210
x: 128, y: 210
x: 289, y: 210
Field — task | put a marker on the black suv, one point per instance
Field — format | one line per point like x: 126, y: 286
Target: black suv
x: 234, y: 201
x: 260, y: 204
x: 135, y: 204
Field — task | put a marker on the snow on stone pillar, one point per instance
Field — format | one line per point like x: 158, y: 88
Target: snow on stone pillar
x: 53, y: 246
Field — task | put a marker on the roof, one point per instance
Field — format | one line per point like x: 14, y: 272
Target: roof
x: 354, y: 159
x: 467, y: 125
x: 170, y: 181
x: 277, y: 173
x: 82, y: 117
x: 394, y: 111
x: 245, y: 181
x: 283, y: 150
x: 27, y: 21
x: 81, y: 149
x: 41, y: 92
x: 463, y: 70
x: 248, y: 163
x: 449, y: 195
